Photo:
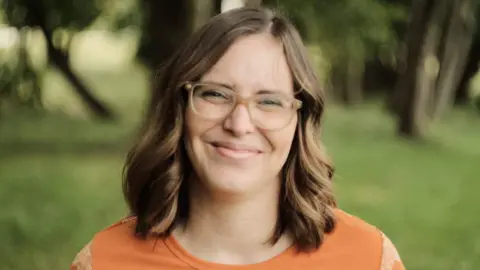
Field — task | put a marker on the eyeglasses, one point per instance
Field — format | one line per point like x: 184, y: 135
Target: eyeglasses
x: 269, y: 111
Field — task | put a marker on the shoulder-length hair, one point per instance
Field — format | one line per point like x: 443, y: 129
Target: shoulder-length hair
x: 157, y: 167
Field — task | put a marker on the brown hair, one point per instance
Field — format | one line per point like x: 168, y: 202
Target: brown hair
x: 157, y: 167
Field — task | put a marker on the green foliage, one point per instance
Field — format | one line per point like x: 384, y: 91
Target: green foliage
x: 74, y: 15
x: 50, y: 15
x: 6, y: 85
x: 123, y: 14
x: 363, y: 28
x: 18, y: 79
x: 474, y: 92
x: 476, y: 102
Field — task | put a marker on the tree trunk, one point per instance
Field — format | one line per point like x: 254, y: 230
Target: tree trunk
x: 337, y: 82
x: 427, y: 72
x: 217, y: 6
x: 27, y: 88
x: 60, y: 59
x: 462, y: 96
x: 354, y: 79
x: 167, y: 24
x: 347, y: 81
x: 36, y: 14
x: 347, y: 76
x: 407, y: 92
x: 253, y: 3
x: 379, y: 78
x: 204, y: 10
x: 457, y: 45
x: 414, y: 35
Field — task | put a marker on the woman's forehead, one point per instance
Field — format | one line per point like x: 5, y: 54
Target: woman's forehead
x: 253, y: 63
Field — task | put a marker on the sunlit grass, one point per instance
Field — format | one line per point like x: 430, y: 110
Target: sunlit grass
x: 52, y: 204
x: 423, y: 194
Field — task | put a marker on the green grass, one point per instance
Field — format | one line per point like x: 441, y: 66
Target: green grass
x: 60, y: 178
x: 52, y: 204
x: 422, y: 194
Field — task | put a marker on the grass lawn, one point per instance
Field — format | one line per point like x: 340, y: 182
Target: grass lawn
x: 60, y: 178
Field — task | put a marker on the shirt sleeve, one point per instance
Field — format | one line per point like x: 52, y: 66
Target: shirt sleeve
x: 390, y: 258
x: 83, y: 260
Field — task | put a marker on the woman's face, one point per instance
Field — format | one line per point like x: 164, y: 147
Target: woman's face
x: 233, y: 155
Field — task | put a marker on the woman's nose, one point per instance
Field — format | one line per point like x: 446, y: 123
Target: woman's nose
x: 239, y: 122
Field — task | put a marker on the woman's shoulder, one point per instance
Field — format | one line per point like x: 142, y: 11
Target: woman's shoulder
x: 348, y: 225
x: 113, y: 241
x: 363, y: 241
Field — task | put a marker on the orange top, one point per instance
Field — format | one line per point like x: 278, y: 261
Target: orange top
x: 353, y: 244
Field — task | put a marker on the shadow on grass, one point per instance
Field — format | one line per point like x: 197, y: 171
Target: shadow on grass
x: 22, y: 148
x: 27, y: 133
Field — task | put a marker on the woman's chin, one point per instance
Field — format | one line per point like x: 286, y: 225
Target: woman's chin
x: 232, y: 184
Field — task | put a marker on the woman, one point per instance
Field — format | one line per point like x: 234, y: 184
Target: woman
x: 229, y: 172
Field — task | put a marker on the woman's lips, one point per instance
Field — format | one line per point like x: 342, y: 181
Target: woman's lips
x: 235, y: 151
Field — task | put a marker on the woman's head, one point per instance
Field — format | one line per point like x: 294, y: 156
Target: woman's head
x: 237, y: 110
x: 241, y: 117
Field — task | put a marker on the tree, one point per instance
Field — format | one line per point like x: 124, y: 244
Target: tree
x: 166, y: 24
x: 458, y: 40
x: 48, y: 16
x: 438, y: 40
x: 473, y: 59
x: 349, y: 33
x: 408, y: 99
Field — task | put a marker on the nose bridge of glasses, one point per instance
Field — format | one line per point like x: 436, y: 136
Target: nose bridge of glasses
x: 243, y: 101
x: 247, y: 102
x: 239, y: 100
x: 255, y: 116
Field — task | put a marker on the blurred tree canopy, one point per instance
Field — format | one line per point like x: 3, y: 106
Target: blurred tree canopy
x: 421, y: 54
x: 422, y: 47
x: 59, y: 14
x: 439, y: 40
x: 349, y: 33
x: 50, y: 17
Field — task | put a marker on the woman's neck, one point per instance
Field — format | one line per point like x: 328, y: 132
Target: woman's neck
x: 234, y: 230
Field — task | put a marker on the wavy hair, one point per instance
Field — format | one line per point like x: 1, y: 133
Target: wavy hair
x: 157, y: 167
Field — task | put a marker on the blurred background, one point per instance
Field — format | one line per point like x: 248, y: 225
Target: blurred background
x: 402, y: 123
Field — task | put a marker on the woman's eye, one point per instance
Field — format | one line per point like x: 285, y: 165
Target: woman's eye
x: 213, y: 93
x: 271, y: 102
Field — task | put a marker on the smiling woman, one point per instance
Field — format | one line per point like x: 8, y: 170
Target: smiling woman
x: 229, y: 172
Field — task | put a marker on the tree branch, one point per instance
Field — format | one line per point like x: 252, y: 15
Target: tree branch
x: 37, y: 15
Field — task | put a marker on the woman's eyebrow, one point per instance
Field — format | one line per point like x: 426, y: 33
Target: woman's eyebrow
x: 232, y: 87
x: 226, y: 85
x: 269, y: 91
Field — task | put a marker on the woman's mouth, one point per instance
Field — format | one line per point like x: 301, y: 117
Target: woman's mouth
x: 235, y: 151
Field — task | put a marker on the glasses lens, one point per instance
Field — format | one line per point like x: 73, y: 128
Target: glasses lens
x: 211, y: 101
x: 267, y: 111
x: 272, y: 111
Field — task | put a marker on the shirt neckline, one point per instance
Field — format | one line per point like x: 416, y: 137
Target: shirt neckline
x: 197, y: 263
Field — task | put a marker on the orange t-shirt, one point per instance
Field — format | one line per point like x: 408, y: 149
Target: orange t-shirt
x: 353, y: 245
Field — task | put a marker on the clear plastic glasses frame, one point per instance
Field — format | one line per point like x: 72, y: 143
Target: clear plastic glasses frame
x: 269, y: 111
